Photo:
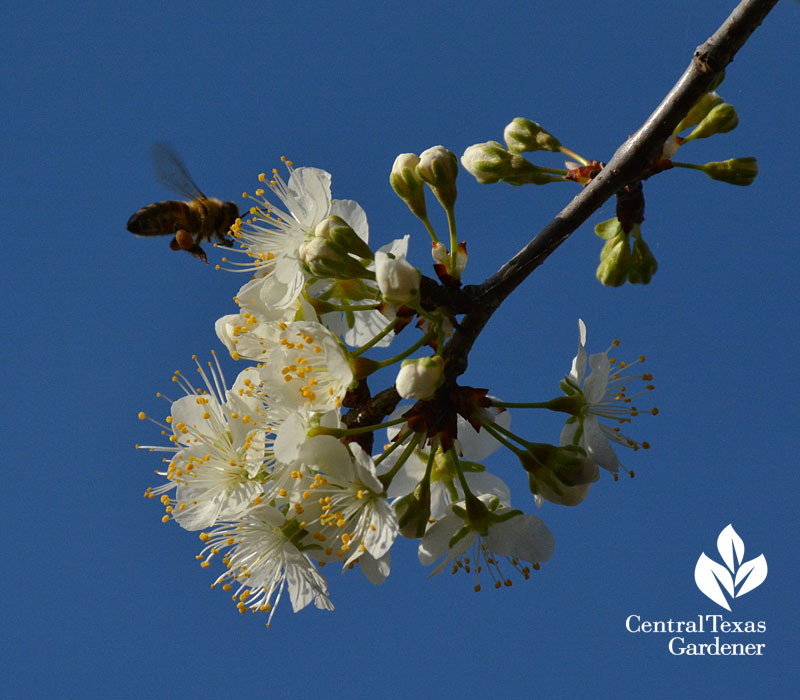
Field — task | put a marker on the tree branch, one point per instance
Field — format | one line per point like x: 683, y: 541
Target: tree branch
x: 630, y: 163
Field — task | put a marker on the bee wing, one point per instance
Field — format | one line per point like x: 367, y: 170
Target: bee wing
x: 172, y: 173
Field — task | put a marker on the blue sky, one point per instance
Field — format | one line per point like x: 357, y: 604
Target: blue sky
x: 103, y: 600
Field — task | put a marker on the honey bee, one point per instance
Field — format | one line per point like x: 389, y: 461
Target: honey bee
x: 188, y: 222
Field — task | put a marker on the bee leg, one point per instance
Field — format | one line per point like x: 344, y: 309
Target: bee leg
x: 183, y: 241
x: 224, y: 240
x: 198, y: 252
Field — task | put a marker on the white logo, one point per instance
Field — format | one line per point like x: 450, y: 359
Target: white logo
x: 713, y: 578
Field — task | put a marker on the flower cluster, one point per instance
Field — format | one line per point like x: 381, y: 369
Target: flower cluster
x: 279, y: 472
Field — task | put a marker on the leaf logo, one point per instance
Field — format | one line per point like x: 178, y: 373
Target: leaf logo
x: 714, y: 580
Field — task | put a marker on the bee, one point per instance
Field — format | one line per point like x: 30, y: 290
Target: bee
x: 188, y: 222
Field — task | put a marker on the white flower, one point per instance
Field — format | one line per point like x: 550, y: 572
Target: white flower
x: 221, y: 441
x: 272, y: 235
x: 265, y: 556
x: 501, y: 532
x: 445, y: 486
x: 354, y: 511
x: 308, y: 368
x: 601, y: 394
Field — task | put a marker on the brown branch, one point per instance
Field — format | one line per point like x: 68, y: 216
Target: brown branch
x: 629, y: 164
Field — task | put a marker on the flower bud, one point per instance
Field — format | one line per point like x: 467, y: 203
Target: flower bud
x: 524, y: 135
x: 439, y: 168
x: 420, y: 378
x: 397, y: 278
x: 486, y: 162
x: 323, y: 258
x: 489, y: 163
x: 408, y: 185
x: 736, y: 171
x: 642, y: 265
x: 720, y: 120
x: 614, y: 258
x: 337, y: 230
x: 700, y: 110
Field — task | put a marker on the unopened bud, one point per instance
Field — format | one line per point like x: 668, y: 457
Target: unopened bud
x: 700, y: 110
x: 408, y: 185
x: 486, y: 162
x: 489, y: 163
x: 420, y: 378
x: 720, y: 120
x: 397, y: 278
x: 439, y: 168
x: 736, y: 171
x: 338, y: 231
x: 614, y: 258
x: 324, y: 258
x: 642, y: 265
x: 523, y: 135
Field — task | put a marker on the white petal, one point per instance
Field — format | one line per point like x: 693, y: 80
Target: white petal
x: 523, y: 536
x: 597, y: 445
x: 579, y: 362
x: 383, y: 529
x: 594, y: 388
x: 353, y: 214
x: 326, y: 454
x: 477, y: 446
x: 376, y: 570
x: 309, y: 196
x: 436, y: 541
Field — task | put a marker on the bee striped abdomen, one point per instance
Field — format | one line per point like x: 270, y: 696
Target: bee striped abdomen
x: 163, y: 218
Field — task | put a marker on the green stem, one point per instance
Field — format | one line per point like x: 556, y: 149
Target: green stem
x: 523, y: 404
x: 498, y: 432
x: 386, y: 478
x: 344, y: 432
x: 403, y: 355
x: 382, y: 334
x: 451, y: 224
x: 691, y: 166
x: 429, y: 227
x: 567, y: 152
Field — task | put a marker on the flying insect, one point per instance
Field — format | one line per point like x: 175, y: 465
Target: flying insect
x: 189, y: 222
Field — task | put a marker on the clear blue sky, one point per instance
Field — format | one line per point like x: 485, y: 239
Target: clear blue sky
x: 102, y: 600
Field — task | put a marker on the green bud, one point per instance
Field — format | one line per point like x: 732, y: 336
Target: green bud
x: 736, y: 171
x: 720, y: 120
x: 337, y: 230
x: 486, y: 162
x: 614, y: 258
x: 642, y: 265
x: 408, y: 185
x: 489, y: 163
x: 523, y: 135
x: 323, y: 258
x: 438, y: 167
x: 700, y: 110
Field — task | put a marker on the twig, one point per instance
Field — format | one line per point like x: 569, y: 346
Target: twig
x: 629, y: 163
